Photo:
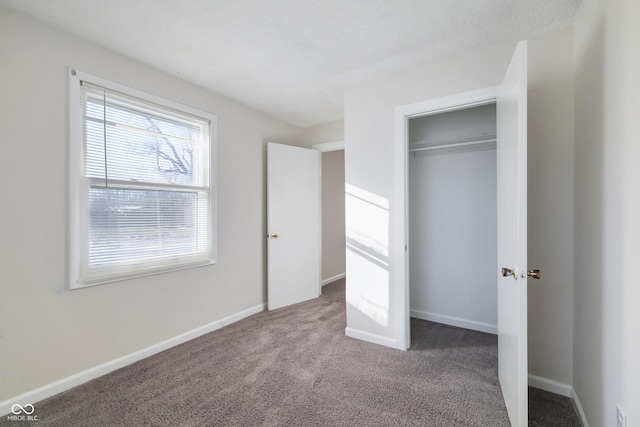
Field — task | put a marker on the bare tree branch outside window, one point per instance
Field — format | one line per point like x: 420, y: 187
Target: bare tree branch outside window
x: 170, y: 160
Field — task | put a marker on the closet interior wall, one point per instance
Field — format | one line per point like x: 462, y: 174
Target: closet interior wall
x: 452, y: 218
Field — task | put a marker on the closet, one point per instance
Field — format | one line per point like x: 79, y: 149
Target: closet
x: 452, y: 192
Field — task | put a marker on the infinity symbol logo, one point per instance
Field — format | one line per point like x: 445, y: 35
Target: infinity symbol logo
x: 27, y: 409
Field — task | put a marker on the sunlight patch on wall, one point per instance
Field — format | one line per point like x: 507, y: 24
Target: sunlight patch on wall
x: 368, y: 220
x: 367, y: 253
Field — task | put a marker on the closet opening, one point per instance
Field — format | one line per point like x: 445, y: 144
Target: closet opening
x: 452, y: 217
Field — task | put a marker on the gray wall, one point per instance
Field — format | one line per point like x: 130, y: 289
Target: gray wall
x: 49, y: 333
x: 333, y: 237
x: 369, y: 154
x: 452, y: 221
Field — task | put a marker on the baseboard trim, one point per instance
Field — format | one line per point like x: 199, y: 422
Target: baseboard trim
x: 369, y: 337
x: 578, y: 406
x: 455, y: 321
x: 333, y: 279
x: 75, y: 380
x: 550, y: 385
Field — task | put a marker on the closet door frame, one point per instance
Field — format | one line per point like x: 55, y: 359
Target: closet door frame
x: 400, y: 223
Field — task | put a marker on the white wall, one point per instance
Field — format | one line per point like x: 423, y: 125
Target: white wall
x: 369, y: 139
x: 49, y: 333
x: 333, y: 237
x: 607, y: 211
x: 324, y: 132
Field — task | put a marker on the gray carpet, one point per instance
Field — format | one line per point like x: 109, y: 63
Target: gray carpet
x: 295, y: 367
x: 551, y: 410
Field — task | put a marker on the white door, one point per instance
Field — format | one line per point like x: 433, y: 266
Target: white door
x: 293, y: 225
x: 512, y: 236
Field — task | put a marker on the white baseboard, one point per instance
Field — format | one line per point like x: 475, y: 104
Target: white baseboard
x: 578, y: 405
x: 67, y: 383
x: 369, y: 337
x: 333, y: 279
x: 455, y: 321
x: 550, y: 385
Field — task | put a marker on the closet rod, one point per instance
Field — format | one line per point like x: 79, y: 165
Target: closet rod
x: 459, y: 144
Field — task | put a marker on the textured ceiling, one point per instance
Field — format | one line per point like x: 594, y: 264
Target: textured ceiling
x: 293, y: 58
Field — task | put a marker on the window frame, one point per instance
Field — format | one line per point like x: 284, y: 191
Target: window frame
x: 78, y: 183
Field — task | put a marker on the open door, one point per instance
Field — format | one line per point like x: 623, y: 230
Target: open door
x: 511, y: 149
x: 511, y: 156
x: 293, y: 225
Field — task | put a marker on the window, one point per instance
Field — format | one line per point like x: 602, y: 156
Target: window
x: 141, y: 187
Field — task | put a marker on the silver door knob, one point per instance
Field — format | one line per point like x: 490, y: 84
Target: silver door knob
x: 273, y: 236
x: 534, y: 274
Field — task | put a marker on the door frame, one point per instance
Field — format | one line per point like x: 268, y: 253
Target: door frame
x: 329, y: 146
x: 400, y: 222
x: 325, y: 147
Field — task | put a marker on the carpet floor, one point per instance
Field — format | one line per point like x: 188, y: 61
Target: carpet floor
x: 295, y: 367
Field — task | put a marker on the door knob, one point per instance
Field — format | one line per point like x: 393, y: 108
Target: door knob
x: 506, y: 272
x: 273, y: 236
x: 534, y: 274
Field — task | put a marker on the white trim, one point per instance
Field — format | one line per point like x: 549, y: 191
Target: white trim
x: 372, y: 338
x: 319, y: 231
x: 329, y: 146
x: 473, y: 98
x: 333, y: 279
x: 579, y: 410
x: 97, y: 371
x: 455, y: 321
x: 550, y: 385
x: 400, y: 255
x: 77, y: 75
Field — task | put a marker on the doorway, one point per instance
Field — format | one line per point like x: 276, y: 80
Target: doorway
x: 333, y: 265
x: 305, y: 209
x: 452, y: 190
x: 333, y: 211
x: 404, y: 115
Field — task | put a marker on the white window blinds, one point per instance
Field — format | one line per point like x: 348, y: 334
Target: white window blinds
x: 144, y: 202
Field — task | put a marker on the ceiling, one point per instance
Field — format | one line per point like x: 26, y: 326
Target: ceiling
x: 293, y: 58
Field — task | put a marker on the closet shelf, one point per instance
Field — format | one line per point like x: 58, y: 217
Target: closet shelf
x: 458, y: 141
